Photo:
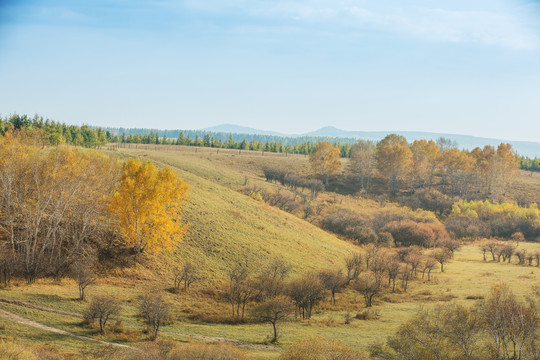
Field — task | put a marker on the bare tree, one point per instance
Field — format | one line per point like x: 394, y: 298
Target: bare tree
x: 353, y: 263
x: 270, y: 282
x: 427, y: 265
x: 449, y: 244
x: 369, y: 285
x: 273, y: 311
x: 414, y: 259
x: 155, y: 311
x: 406, y: 273
x: 185, y: 275
x: 101, y: 308
x: 333, y: 281
x: 521, y: 254
x: 239, y: 290
x: 507, y: 252
x: 306, y: 292
x: 84, y: 276
x: 442, y: 256
x: 393, y: 268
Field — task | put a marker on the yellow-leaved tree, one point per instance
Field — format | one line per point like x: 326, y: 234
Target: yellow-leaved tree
x: 148, y: 206
x: 324, y: 160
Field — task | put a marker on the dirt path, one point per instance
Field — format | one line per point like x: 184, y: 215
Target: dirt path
x: 239, y: 343
x: 18, y: 319
x: 21, y: 320
x: 39, y: 307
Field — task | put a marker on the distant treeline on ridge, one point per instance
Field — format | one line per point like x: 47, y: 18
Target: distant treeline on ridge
x: 92, y: 136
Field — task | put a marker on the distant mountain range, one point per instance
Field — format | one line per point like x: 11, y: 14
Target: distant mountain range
x: 526, y: 148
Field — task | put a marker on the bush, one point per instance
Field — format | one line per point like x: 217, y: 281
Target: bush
x: 317, y: 348
x: 407, y: 233
x: 466, y: 227
x: 379, y: 221
x: 431, y: 200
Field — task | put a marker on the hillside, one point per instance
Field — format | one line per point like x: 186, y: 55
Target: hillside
x: 228, y: 228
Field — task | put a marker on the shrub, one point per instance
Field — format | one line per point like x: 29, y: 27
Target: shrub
x: 407, y: 233
x: 462, y: 226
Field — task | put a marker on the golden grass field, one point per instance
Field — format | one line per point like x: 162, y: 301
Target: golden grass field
x: 227, y: 228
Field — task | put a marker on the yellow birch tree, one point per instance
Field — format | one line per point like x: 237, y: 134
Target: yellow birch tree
x: 147, y: 206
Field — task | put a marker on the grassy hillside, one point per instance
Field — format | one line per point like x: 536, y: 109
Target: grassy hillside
x: 228, y: 228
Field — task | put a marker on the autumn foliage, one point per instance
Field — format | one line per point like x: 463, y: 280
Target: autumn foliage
x: 147, y: 206
x: 325, y: 160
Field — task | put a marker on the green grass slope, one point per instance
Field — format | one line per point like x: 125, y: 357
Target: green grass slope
x: 228, y: 228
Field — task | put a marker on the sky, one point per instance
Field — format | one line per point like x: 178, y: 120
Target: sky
x: 450, y: 66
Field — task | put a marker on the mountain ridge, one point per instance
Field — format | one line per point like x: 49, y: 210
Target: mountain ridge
x: 527, y: 148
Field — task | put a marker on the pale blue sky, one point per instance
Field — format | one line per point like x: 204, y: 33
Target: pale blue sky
x: 470, y: 67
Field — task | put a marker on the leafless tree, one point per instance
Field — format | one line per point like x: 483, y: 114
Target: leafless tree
x: 155, y: 311
x: 427, y: 265
x: 271, y: 280
x: 101, y: 308
x: 84, y: 276
x: 333, y: 281
x: 406, y: 273
x: 414, y: 259
x: 442, y: 256
x: 353, y: 263
x: 393, y: 268
x: 273, y: 311
x: 306, y: 292
x: 185, y: 275
x: 369, y: 285
x: 521, y: 255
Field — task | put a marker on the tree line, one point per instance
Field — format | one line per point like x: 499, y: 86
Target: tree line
x: 530, y: 164
x: 423, y: 164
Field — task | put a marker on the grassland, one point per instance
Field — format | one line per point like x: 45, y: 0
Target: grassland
x: 227, y: 228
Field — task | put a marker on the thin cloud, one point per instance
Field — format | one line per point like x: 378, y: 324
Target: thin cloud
x: 510, y: 29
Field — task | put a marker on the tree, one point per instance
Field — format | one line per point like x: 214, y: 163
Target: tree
x: 394, y: 158
x: 147, y: 206
x: 270, y: 282
x: 457, y: 170
x: 442, y: 256
x: 240, y: 289
x: 363, y: 161
x: 52, y: 208
x: 186, y: 275
x: 155, y: 311
x: 273, y: 311
x: 325, y: 160
x: 306, y: 292
x: 102, y: 308
x: 83, y: 275
x: 427, y: 265
x: 425, y: 158
x: 353, y: 263
x: 369, y: 284
x: 393, y: 268
x: 333, y: 281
